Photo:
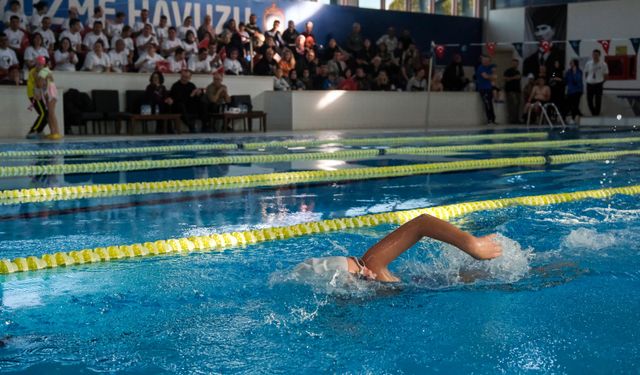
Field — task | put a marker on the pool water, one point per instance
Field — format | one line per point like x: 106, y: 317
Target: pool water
x: 562, y: 299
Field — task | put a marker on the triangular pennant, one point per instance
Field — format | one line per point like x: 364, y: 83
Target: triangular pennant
x: 635, y: 42
x: 440, y: 51
x: 575, y: 44
x: 545, y: 46
x: 464, y: 48
x: 491, y: 48
x: 605, y: 43
x: 518, y: 48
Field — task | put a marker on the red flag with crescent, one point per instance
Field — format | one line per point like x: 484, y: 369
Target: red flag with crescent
x: 491, y: 48
x: 605, y: 43
x: 440, y: 51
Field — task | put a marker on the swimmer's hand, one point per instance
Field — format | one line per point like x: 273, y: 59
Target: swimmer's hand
x: 483, y: 248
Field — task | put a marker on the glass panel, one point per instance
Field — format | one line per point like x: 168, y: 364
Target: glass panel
x: 467, y: 8
x: 395, y: 5
x: 371, y: 4
x: 417, y: 6
x: 443, y: 6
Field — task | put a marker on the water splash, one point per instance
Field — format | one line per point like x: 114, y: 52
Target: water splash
x: 589, y: 239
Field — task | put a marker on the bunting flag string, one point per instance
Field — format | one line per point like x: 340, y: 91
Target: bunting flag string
x: 635, y: 42
x: 575, y: 44
x: 518, y: 48
x: 605, y: 43
x: 491, y: 48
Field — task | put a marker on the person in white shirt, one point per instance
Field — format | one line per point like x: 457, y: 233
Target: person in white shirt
x: 200, y: 63
x: 97, y: 60
x: 120, y: 58
x: 596, y: 72
x: 65, y: 58
x: 145, y: 39
x: 138, y: 27
x: 147, y: 61
x: 73, y: 34
x: 232, y: 65
x: 389, y: 39
x: 98, y: 15
x: 14, y: 34
x: 48, y: 37
x: 14, y: 10
x: 190, y: 44
x: 8, y: 57
x: 91, y: 38
x: 186, y: 27
x: 40, y: 9
x: 171, y: 43
x: 279, y: 82
x: 162, y: 30
x: 126, y: 37
x: 177, y: 62
x: 73, y: 15
x: 114, y: 29
x: 34, y: 50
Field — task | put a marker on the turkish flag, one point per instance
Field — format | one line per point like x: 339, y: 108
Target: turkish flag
x: 440, y: 51
x: 491, y: 48
x: 605, y: 43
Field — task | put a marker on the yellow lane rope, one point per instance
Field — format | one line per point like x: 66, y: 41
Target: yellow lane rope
x: 122, y: 166
x: 259, y: 145
x: 18, y: 196
x: 219, y: 242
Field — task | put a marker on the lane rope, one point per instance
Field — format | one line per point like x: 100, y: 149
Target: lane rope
x: 123, y: 166
x: 273, y: 144
x: 19, y: 196
x: 223, y: 241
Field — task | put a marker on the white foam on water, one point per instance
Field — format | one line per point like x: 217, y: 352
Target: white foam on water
x: 589, y: 239
x: 391, y: 205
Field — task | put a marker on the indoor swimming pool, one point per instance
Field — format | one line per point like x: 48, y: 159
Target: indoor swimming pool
x: 177, y: 256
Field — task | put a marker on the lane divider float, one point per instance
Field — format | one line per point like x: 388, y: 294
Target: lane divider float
x: 19, y: 196
x: 386, y: 141
x: 223, y: 241
x: 123, y: 166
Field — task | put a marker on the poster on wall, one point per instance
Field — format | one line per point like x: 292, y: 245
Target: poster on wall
x: 544, y: 25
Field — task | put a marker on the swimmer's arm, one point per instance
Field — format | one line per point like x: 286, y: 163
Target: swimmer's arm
x: 378, y: 257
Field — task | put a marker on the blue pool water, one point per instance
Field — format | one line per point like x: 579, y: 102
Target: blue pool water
x: 563, y: 298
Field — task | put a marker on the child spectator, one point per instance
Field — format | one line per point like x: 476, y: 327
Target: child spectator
x: 294, y: 82
x: 349, y: 82
x: 232, y: 65
x: 280, y: 82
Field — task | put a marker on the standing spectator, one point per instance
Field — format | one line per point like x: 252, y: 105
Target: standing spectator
x: 40, y: 10
x: 8, y: 56
x: 484, y: 77
x: 200, y: 63
x: 186, y: 27
x: 556, y: 83
x: 48, y: 37
x: 46, y: 89
x: 453, y: 78
x: 16, y: 11
x: 186, y: 100
x: 575, y: 87
x: 177, y: 62
x: 15, y: 34
x: 205, y: 28
x: 355, y: 43
x: 252, y: 27
x: 309, y: 38
x: 65, y: 57
x: 98, y: 15
x: 138, y: 27
x: 34, y: 50
x: 276, y: 35
x: 512, y: 88
x: 190, y: 44
x: 280, y: 82
x: 290, y: 35
x: 232, y: 65
x: 114, y: 29
x: 294, y: 82
x: 267, y: 65
x: 147, y: 61
x: 389, y: 40
x: 595, y: 72
x: 120, y: 58
x: 37, y: 101
x: 146, y: 38
x: 172, y: 42
x: 97, y: 34
x: 73, y: 34
x: 162, y: 30
x: 418, y: 82
x: 97, y: 60
x: 287, y: 63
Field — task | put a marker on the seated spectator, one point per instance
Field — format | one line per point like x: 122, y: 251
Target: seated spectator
x: 147, y: 61
x: 162, y: 30
x: 73, y: 34
x: 362, y: 80
x: 245, y: 39
x: 177, y: 61
x: 217, y: 95
x: 540, y: 93
x: 300, y: 48
x: 389, y: 40
x: 366, y: 54
x: 418, y: 82
x: 125, y: 35
x: 287, y: 63
x: 405, y: 39
x: 97, y: 60
x: 190, y: 44
x: 349, y: 82
x: 34, y: 50
x: 386, y: 58
x: 200, y: 63
x: 206, y: 27
x: 320, y: 78
x: 186, y: 27
x: 65, y: 57
x: 73, y: 15
x: 453, y: 78
x: 48, y: 37
x: 310, y: 39
x: 331, y: 82
x: 138, y: 27
x: 382, y: 82
x: 15, y: 10
x: 156, y: 94
x: 186, y: 99
x: 8, y: 57
x: 355, y: 43
x: 120, y: 58
x: 375, y: 67
x: 330, y: 50
x: 436, y: 83
x: 39, y: 11
x: 145, y: 38
x: 336, y: 65
x: 98, y: 15
x: 232, y: 65
x: 309, y: 62
x: 252, y: 27
x: 172, y: 42
x: 95, y: 35
x: 12, y: 78
x: 15, y: 35
x: 279, y: 81
x: 274, y: 33
x: 307, y: 79
x: 114, y: 29
x: 294, y: 82
x: 214, y: 58
x: 290, y: 35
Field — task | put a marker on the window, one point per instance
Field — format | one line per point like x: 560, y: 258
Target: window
x: 467, y: 8
x: 395, y: 5
x: 370, y: 4
x: 443, y: 7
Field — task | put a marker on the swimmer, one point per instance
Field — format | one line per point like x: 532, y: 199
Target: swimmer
x: 373, y: 264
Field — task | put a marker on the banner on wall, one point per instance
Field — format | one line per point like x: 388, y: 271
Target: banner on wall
x: 544, y: 25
